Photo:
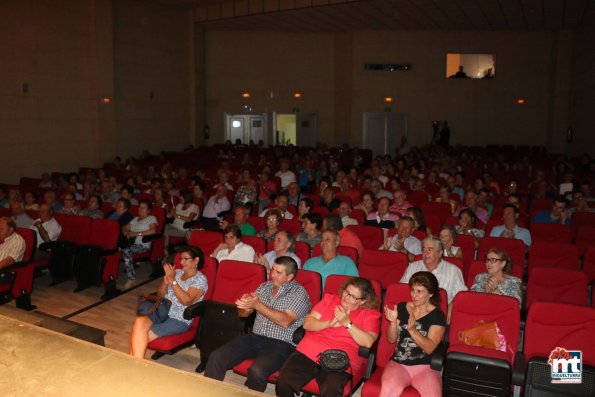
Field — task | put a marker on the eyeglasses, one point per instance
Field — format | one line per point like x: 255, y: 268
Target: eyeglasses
x: 352, y: 298
x: 186, y: 259
x: 494, y: 260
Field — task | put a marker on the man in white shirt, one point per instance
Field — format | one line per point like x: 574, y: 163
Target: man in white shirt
x: 283, y: 245
x: 403, y: 241
x: 344, y: 211
x: 281, y: 203
x: 46, y: 227
x: 12, y: 245
x: 510, y: 227
x: 449, y: 276
x: 287, y: 176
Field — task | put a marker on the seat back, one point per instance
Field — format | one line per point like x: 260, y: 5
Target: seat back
x: 589, y: 265
x: 312, y: 282
x: 358, y: 215
x: 370, y: 236
x: 385, y: 266
x: 545, y: 232
x: 558, y: 255
x: 554, y: 324
x: 334, y: 281
x: 442, y: 210
x: 557, y: 285
x: 513, y: 247
x: 207, y: 241
x: 585, y: 238
x: 159, y: 214
x: 75, y: 229
x: 302, y: 251
x: 341, y: 250
x: 470, y: 307
x: 293, y: 226
x: 258, y: 243
x: 104, y: 233
x: 30, y: 238
x: 236, y: 278
x: 467, y: 244
x: 258, y: 222
x: 416, y: 198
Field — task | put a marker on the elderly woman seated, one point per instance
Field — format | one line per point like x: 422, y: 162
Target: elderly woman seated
x: 497, y: 280
x: 233, y: 248
x: 467, y: 220
x: 93, y: 209
x: 345, y: 321
x: 418, y: 327
x: 181, y: 287
x: 185, y: 211
x: 272, y: 218
x: 447, y: 236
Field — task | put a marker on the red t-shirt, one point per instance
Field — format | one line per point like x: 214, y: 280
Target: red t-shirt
x: 315, y: 342
x: 349, y: 239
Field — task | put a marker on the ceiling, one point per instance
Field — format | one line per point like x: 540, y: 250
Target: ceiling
x: 349, y: 15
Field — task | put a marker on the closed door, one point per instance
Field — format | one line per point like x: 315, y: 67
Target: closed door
x: 383, y: 131
x: 307, y: 129
x: 246, y: 127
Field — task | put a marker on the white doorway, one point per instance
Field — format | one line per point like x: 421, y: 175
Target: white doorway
x: 295, y: 128
x: 246, y: 127
x: 383, y: 131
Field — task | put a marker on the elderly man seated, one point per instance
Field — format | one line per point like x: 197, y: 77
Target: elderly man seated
x: 21, y: 219
x: 283, y: 245
x: 215, y: 208
x: 382, y: 218
x: 46, y: 227
x: 12, y: 245
x: 403, y: 241
x: 281, y: 203
x: 330, y: 262
x: 240, y: 217
x: 449, y: 276
x: 510, y: 227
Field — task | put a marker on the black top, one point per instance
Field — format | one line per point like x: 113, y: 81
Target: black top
x: 406, y: 351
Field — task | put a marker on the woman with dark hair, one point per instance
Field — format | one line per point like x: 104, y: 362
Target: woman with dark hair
x: 233, y: 248
x: 185, y: 211
x: 93, y: 209
x: 305, y: 206
x: 272, y: 220
x: 467, y: 220
x: 182, y: 287
x: 417, y: 215
x: 30, y: 199
x: 344, y: 321
x: 497, y: 280
x: 143, y: 225
x: 311, y: 224
x: 417, y: 327
x: 367, y: 204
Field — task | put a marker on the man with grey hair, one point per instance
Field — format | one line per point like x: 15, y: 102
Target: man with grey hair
x: 330, y: 262
x: 12, y: 245
x: 283, y: 245
x: 449, y: 276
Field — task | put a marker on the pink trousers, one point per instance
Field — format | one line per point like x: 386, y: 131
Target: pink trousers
x: 397, y: 377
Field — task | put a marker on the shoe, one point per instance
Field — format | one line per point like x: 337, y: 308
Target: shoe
x: 129, y: 284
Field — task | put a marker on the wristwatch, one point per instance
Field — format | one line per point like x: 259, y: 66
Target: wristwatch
x: 174, y: 282
x: 349, y: 325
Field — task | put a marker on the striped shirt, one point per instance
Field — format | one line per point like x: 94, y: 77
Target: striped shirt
x: 13, y: 246
x: 291, y: 296
x: 449, y: 277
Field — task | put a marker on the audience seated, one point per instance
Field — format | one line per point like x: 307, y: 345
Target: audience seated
x: 344, y: 211
x: 281, y: 304
x: 272, y: 219
x: 281, y: 205
x: 216, y: 208
x: 233, y: 248
x: 510, y: 227
x: 347, y: 236
x: 498, y: 280
x: 311, y: 225
x: 144, y: 224
x: 12, y: 245
x: 93, y: 209
x: 344, y: 321
x: 472, y: 204
x: 330, y: 262
x: 46, y: 227
x: 449, y: 276
x: 400, y: 204
x: 69, y: 207
x: 182, y: 287
x: 418, y: 326
x: 20, y: 217
x: 557, y: 215
x: 403, y: 241
x: 448, y: 236
x: 467, y: 221
x: 382, y: 217
x: 367, y: 203
x: 283, y: 245
x: 240, y: 217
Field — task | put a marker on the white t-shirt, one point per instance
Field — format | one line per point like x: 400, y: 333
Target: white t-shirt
x: 242, y: 252
x: 52, y: 227
x: 140, y: 225
x: 179, y: 223
x: 449, y: 277
x: 287, y: 177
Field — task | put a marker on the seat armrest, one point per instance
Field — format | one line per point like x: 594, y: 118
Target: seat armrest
x: 14, y: 266
x: 438, y: 356
x: 298, y: 335
x: 191, y: 224
x: 194, y: 310
x: 49, y: 245
x: 518, y: 370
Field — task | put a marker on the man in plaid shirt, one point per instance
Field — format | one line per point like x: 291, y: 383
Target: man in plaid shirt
x: 281, y: 304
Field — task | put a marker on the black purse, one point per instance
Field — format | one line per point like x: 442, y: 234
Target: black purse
x: 334, y: 360
x: 154, y: 307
